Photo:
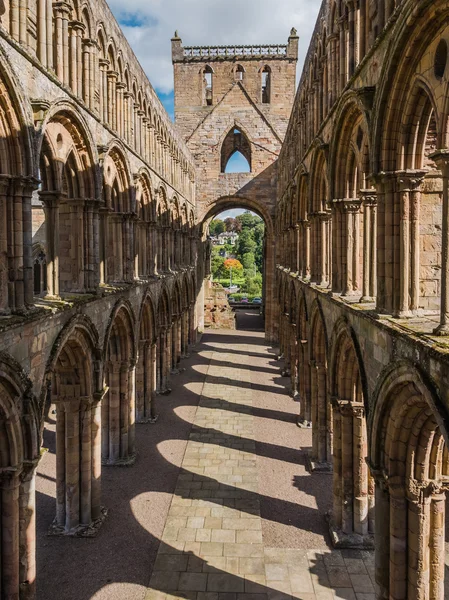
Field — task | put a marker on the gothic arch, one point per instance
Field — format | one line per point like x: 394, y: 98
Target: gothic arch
x: 320, y: 405
x: 118, y: 410
x: 410, y: 461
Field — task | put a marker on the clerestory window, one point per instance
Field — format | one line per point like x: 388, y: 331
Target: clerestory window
x: 266, y: 85
x: 208, y: 86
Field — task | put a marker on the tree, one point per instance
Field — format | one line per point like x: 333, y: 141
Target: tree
x: 248, y: 220
x: 232, y: 225
x: 249, y: 263
x: 233, y: 263
x: 245, y: 244
x: 216, y: 227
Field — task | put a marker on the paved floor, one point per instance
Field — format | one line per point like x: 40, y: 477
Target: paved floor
x: 213, y: 544
x: 224, y: 486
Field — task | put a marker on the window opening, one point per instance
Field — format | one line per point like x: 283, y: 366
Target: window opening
x: 266, y: 85
x: 208, y: 88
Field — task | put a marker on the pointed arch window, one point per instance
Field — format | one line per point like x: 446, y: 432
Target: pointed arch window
x: 236, y: 152
x: 266, y: 85
x: 208, y: 85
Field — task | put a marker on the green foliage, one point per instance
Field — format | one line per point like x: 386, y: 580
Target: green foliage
x: 216, y: 227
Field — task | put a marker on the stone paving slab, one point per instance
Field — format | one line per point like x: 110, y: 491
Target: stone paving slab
x: 212, y: 545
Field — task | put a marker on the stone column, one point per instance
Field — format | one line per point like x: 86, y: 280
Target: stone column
x: 62, y: 12
x: 305, y: 416
x: 6, y: 224
x: 42, y: 31
x: 10, y: 538
x: 352, y: 38
x: 104, y: 66
x: 382, y: 535
x: 120, y: 109
x: 27, y: 534
x: 409, y: 182
x: 112, y: 99
x: 442, y: 159
x: 320, y: 458
x: 437, y: 545
x: 49, y: 33
x: 51, y: 201
x: 369, y: 201
x: 350, y: 522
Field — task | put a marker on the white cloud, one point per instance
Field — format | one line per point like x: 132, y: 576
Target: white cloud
x: 149, y: 25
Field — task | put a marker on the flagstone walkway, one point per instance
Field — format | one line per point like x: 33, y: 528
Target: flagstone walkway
x: 212, y: 546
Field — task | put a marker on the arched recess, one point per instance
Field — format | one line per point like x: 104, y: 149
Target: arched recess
x: 411, y: 105
x: 146, y: 363
x: 321, y: 457
x: 207, y: 85
x: 303, y: 241
x: 271, y: 307
x: 163, y: 223
x: 19, y: 454
x: 16, y: 188
x: 409, y: 460
x: 354, y: 211
x: 235, y: 142
x: 352, y: 521
x: 176, y: 311
x: 164, y: 319
x: 116, y: 256
x: 118, y: 415
x: 68, y: 201
x: 320, y: 218
x: 293, y: 339
x: 144, y: 229
x: 303, y: 386
x: 75, y: 395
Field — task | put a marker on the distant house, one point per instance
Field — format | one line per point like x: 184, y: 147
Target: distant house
x: 228, y: 238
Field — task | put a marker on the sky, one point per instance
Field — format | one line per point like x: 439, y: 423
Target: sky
x: 150, y: 24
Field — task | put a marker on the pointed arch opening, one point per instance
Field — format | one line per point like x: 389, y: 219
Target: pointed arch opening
x: 236, y: 152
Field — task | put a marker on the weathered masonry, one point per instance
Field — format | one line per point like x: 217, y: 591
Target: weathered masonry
x: 99, y: 262
x: 363, y: 274
x: 104, y: 207
x: 232, y: 99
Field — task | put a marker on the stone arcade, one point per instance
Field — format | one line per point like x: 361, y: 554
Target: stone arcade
x: 103, y: 257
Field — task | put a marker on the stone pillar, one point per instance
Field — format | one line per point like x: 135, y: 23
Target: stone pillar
x: 382, y: 536
x: 112, y: 99
x: 51, y: 202
x: 409, y: 246
x: 10, y: 538
x: 305, y: 416
x: 369, y: 201
x: 350, y: 524
x: 352, y: 38
x: 442, y: 159
x: 320, y: 457
x: 27, y: 540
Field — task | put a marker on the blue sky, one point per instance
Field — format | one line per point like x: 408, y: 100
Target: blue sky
x: 149, y: 25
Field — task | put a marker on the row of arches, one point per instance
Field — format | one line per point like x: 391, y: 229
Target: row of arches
x: 94, y: 393
x: 345, y: 34
x: 73, y: 43
x: 386, y: 446
x: 362, y: 211
x: 76, y: 216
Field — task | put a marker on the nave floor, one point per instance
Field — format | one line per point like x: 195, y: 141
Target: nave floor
x: 222, y: 484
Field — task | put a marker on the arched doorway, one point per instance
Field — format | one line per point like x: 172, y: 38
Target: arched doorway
x: 266, y: 262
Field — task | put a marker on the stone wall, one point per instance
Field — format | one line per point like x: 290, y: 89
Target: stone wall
x: 217, y: 312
